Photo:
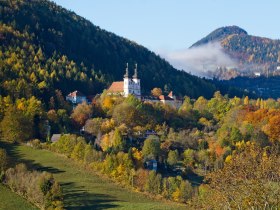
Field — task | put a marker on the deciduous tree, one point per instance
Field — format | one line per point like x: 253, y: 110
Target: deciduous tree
x: 156, y: 92
x: 173, y: 157
x: 16, y: 126
x: 151, y: 147
x: 81, y: 114
x: 250, y: 180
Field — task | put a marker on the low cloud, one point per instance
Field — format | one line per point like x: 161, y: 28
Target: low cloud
x: 199, y: 60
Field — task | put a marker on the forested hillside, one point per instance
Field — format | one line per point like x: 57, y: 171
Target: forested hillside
x: 245, y: 48
x: 48, y: 48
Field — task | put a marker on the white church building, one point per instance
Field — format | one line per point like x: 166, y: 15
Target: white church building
x: 127, y: 86
x: 132, y: 86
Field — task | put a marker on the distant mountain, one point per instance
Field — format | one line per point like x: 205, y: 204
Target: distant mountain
x: 257, y: 61
x: 248, y: 50
x: 46, y: 47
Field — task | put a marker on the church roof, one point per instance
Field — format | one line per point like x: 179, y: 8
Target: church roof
x: 75, y: 94
x: 116, y: 87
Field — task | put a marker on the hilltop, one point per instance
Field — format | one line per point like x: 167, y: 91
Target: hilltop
x: 220, y: 34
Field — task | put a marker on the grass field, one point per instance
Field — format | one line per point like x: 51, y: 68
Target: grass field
x: 82, y: 189
x: 11, y: 201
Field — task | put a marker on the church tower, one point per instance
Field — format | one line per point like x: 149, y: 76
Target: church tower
x: 131, y: 86
x: 126, y: 82
x: 136, y: 83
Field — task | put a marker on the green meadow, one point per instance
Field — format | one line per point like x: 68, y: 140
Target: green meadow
x: 12, y: 201
x: 83, y: 189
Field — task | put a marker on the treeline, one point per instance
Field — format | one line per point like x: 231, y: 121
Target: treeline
x: 39, y: 188
x: 264, y: 87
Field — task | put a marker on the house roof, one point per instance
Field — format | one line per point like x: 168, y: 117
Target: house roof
x: 116, y: 87
x: 165, y: 98
x: 75, y: 94
x: 55, y: 137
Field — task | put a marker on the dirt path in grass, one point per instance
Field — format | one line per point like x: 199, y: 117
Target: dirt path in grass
x: 84, y: 190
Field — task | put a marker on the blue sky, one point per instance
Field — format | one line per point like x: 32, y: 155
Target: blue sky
x: 177, y: 24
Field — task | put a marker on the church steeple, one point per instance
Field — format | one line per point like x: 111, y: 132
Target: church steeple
x: 131, y: 85
x: 135, y: 72
x: 126, y: 71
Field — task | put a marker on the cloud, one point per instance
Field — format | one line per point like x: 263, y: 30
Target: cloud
x: 199, y: 60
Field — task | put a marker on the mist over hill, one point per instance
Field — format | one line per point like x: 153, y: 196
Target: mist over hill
x: 198, y: 60
x: 231, y: 49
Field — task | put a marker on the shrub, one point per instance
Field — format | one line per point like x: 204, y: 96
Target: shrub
x: 39, y: 188
x: 141, y: 178
x: 35, y: 143
x: 3, y: 162
x: 154, y: 183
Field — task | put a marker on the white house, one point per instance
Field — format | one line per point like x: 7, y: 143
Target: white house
x: 76, y: 97
x: 55, y: 137
x: 127, y: 86
x: 151, y: 165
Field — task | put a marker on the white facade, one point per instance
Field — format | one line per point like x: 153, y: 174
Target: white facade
x: 76, y: 99
x: 132, y: 86
x: 126, y: 86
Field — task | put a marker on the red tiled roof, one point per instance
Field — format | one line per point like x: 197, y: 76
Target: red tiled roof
x: 116, y: 87
x: 75, y: 94
x: 165, y: 98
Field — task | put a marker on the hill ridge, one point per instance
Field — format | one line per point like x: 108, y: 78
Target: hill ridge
x: 219, y: 34
x: 103, y: 55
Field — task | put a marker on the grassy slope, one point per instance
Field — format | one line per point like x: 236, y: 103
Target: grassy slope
x: 84, y: 190
x: 11, y: 201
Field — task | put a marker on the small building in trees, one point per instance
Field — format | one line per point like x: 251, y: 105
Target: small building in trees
x: 129, y: 86
x: 150, y: 133
x: 76, y: 97
x: 55, y: 137
x: 171, y: 100
x: 151, y: 164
